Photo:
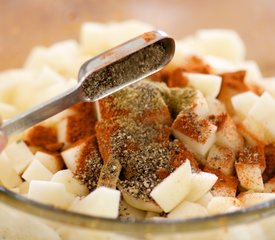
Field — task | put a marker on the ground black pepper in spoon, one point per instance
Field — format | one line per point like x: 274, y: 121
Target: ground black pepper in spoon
x: 104, y: 75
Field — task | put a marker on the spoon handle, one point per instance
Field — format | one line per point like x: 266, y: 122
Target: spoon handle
x: 41, y: 112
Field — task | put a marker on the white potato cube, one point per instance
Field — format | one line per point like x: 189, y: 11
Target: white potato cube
x: 200, y: 104
x: 219, y: 205
x: 71, y: 155
x: 263, y: 112
x: 95, y: 37
x: 37, y: 171
x: 20, y: 156
x: 254, y: 132
x: 48, y: 192
x: 7, y: 110
x: 253, y: 74
x: 243, y: 102
x: 61, y: 56
x: 208, y: 84
x: 187, y: 210
x: 8, y: 176
x: 249, y: 199
x: 221, y: 43
x: 174, y: 188
x: 205, y: 199
x: 50, y: 161
x: 10, y: 80
x: 72, y: 185
x: 102, y: 202
x: 219, y: 65
x: 201, y: 183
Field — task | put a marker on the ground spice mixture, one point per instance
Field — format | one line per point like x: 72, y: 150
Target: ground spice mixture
x: 121, y: 72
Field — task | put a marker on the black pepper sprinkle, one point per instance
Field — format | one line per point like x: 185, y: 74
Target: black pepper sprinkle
x: 121, y: 72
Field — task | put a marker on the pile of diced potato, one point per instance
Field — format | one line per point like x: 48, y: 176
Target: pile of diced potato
x: 49, y: 71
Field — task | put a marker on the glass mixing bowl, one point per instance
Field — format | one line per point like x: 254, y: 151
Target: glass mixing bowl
x: 24, y: 24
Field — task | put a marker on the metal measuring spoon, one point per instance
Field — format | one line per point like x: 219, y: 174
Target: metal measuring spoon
x: 102, y: 76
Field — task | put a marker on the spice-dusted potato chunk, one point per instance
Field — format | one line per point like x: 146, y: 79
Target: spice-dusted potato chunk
x: 222, y: 159
x: 196, y: 133
x: 250, y: 166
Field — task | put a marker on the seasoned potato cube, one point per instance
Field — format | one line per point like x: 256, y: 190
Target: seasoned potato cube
x: 249, y: 199
x: 250, y: 166
x: 221, y: 158
x: 196, y: 133
x: 226, y: 186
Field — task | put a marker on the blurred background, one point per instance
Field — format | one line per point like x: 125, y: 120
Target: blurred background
x: 26, y: 23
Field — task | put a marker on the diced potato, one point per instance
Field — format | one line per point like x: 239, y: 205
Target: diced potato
x: 8, y: 176
x: 10, y: 80
x: 50, y: 161
x: 24, y: 188
x: 226, y: 186
x: 221, y: 43
x: 37, y: 171
x: 243, y: 102
x: 205, y: 199
x: 187, y: 210
x: 19, y: 155
x: 249, y: 199
x: 250, y: 166
x: 196, y: 133
x: 269, y: 186
x: 71, y: 155
x: 7, y: 110
x: 52, y: 193
x: 221, y: 158
x: 263, y: 111
x: 208, y: 84
x: 102, y: 202
x: 72, y: 185
x: 219, y: 65
x: 254, y: 132
x: 201, y: 183
x: 95, y: 37
x: 222, y: 204
x: 61, y: 56
x: 227, y: 134
x: 253, y: 74
x: 173, y: 189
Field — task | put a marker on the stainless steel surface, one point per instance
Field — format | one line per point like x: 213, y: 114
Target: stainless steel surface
x: 76, y: 94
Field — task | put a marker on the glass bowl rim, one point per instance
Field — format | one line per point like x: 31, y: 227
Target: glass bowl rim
x: 48, y: 212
